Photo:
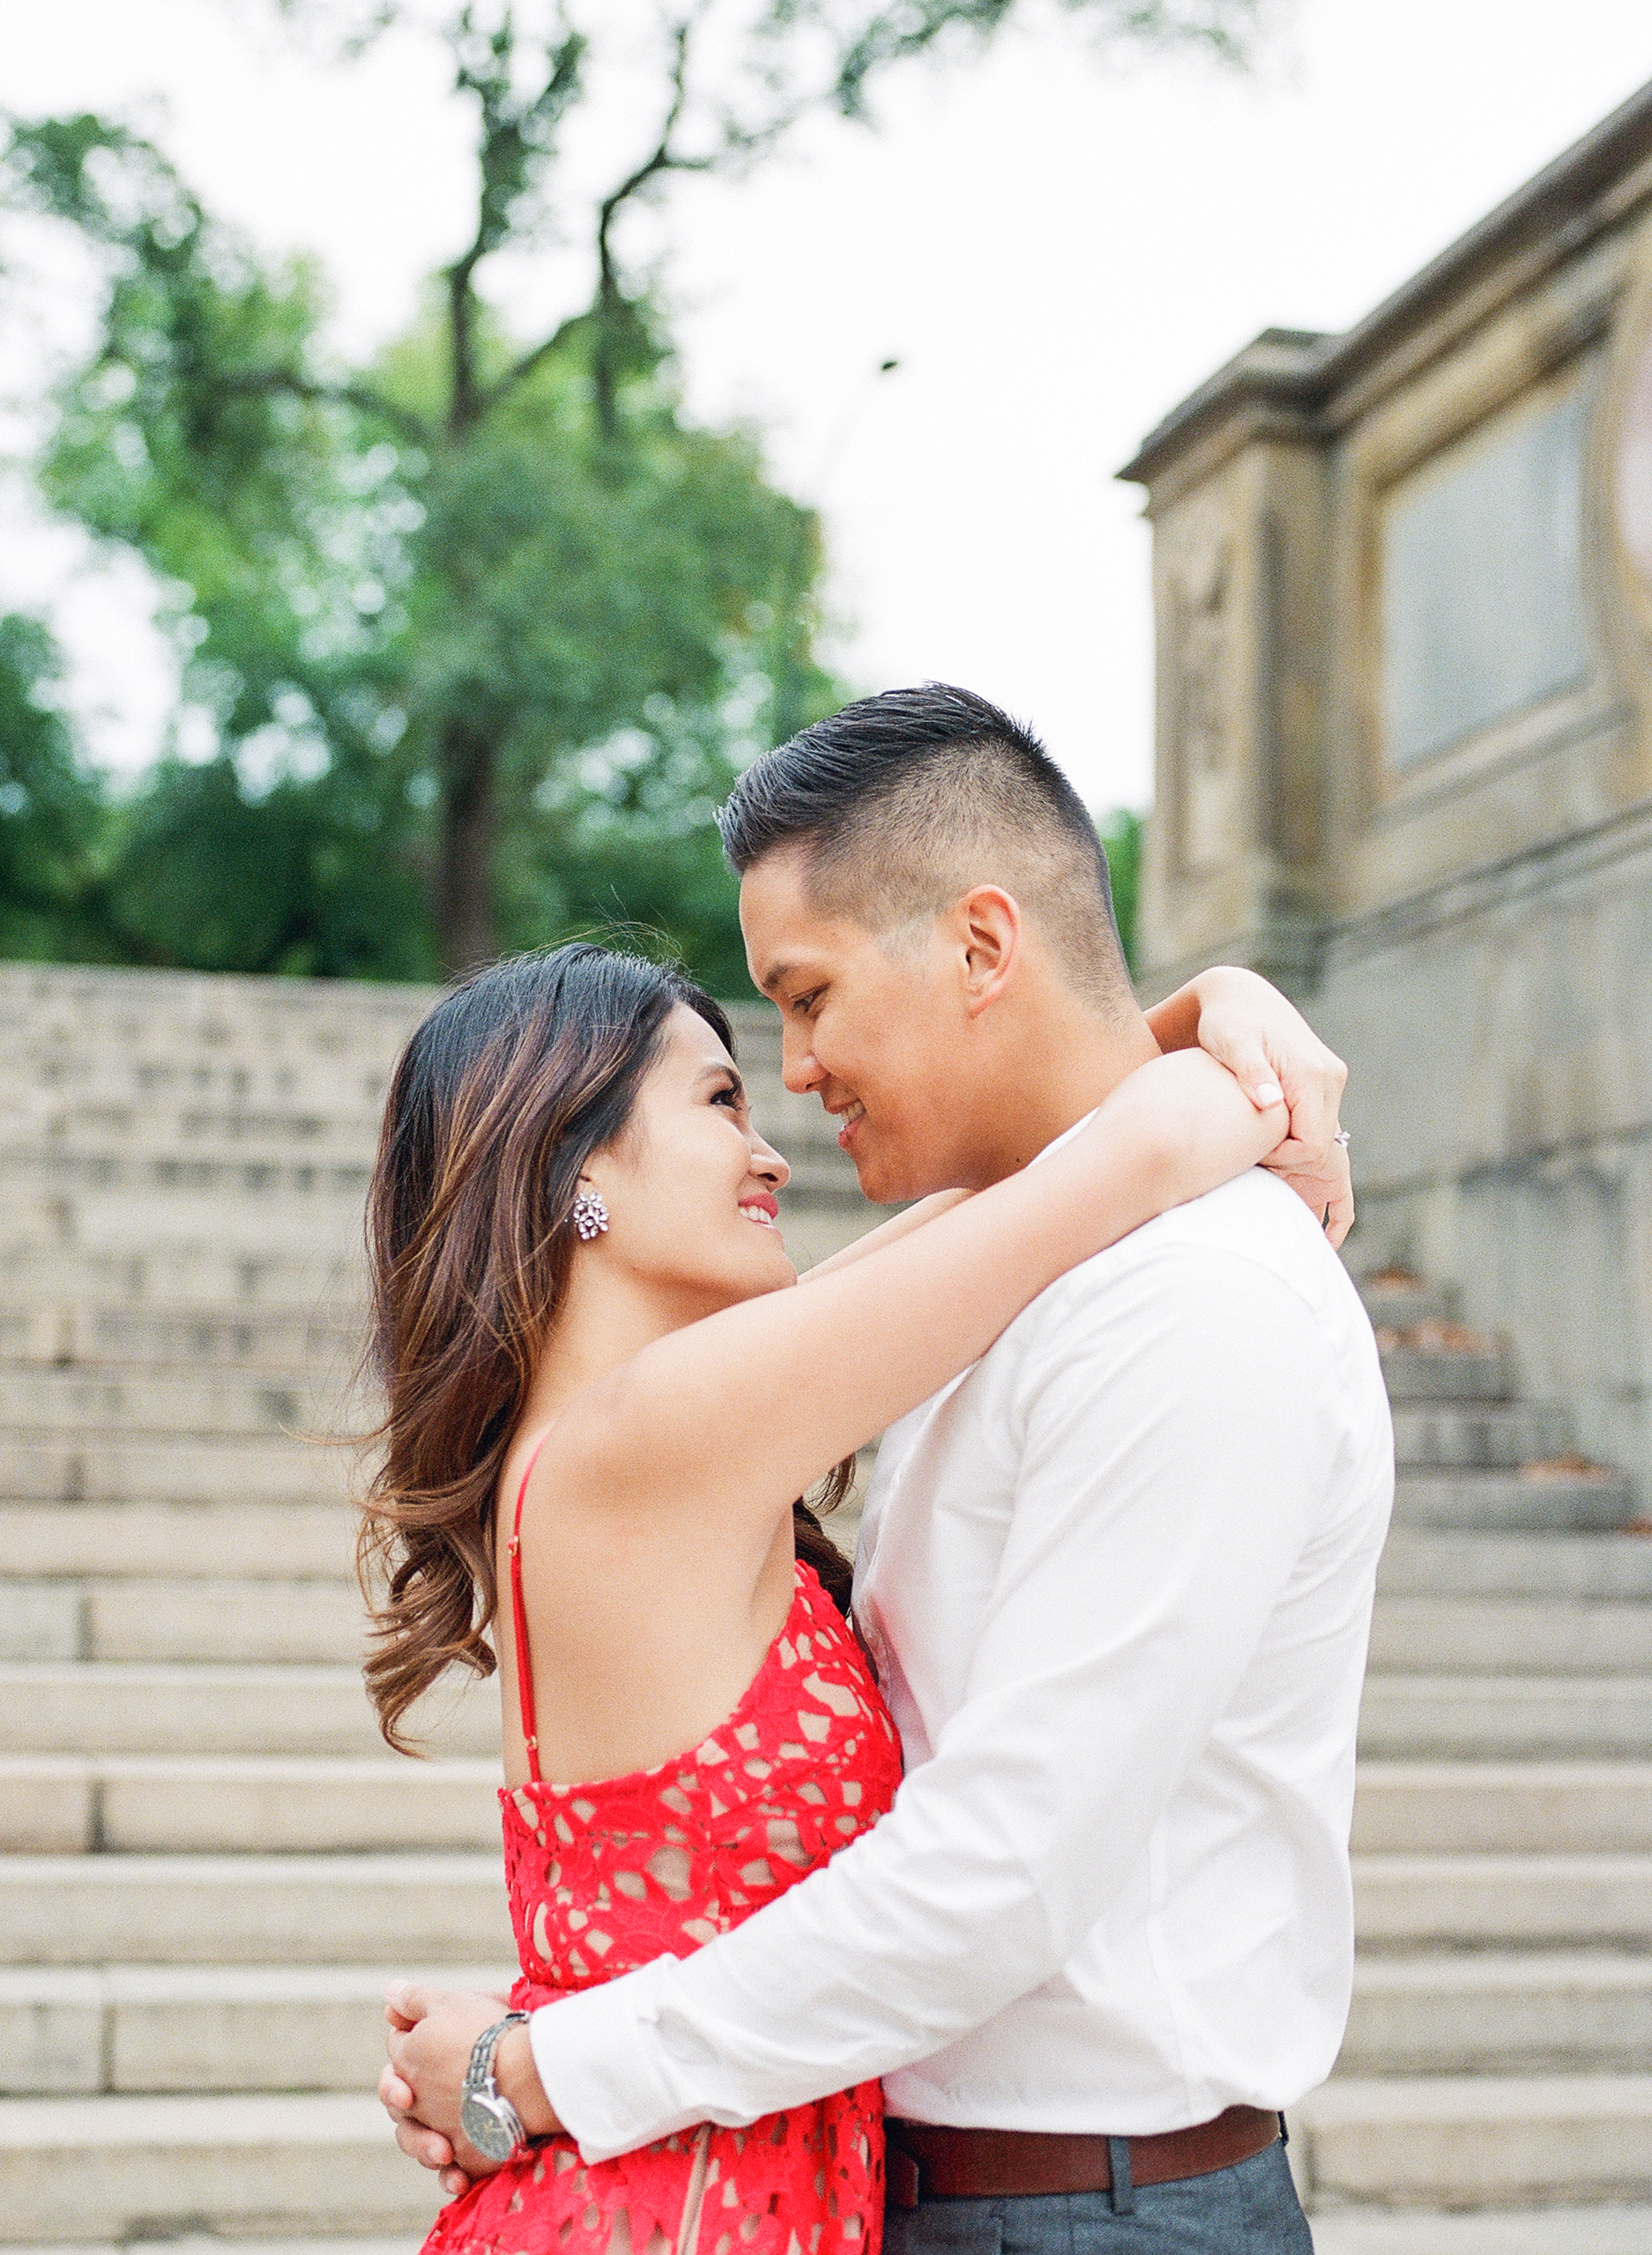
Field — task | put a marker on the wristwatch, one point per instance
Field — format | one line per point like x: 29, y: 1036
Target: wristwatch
x: 485, y: 2115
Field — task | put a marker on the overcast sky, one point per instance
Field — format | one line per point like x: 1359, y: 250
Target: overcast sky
x: 1055, y: 245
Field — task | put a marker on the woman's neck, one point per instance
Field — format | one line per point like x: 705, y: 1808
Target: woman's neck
x: 603, y: 1321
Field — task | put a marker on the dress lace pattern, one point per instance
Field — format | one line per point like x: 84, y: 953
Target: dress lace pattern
x: 604, y: 1876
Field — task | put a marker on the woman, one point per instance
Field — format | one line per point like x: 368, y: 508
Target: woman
x: 604, y: 1396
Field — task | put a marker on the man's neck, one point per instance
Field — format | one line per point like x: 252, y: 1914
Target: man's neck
x: 1067, y: 1071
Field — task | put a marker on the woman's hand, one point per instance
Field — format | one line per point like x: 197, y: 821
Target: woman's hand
x: 1271, y: 1049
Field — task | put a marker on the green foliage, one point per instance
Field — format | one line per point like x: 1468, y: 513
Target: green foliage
x: 301, y: 880
x: 356, y: 586
x: 1121, y: 836
x: 53, y: 812
x: 484, y: 630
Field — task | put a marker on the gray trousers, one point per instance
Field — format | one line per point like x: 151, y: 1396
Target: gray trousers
x: 1252, y: 2209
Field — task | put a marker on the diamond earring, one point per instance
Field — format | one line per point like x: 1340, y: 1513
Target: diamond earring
x: 589, y: 1215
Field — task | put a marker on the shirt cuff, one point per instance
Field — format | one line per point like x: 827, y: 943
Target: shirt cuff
x: 604, y: 2068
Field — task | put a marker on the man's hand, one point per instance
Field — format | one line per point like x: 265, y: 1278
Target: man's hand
x: 432, y: 2033
x: 1271, y: 1049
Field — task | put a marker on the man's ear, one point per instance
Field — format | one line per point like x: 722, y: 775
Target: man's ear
x: 986, y: 929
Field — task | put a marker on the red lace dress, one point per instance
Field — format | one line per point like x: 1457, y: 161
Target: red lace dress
x: 607, y: 1876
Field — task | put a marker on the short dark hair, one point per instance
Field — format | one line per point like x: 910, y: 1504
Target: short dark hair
x: 902, y: 802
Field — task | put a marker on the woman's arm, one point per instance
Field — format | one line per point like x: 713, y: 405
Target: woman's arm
x: 1270, y: 1049
x: 734, y: 1415
x: 1245, y: 1025
x: 927, y: 1210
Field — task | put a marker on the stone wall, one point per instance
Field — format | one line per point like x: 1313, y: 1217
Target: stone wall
x: 1404, y: 590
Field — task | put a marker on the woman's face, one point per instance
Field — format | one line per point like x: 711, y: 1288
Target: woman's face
x: 690, y: 1185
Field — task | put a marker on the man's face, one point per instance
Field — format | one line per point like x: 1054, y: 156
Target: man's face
x: 875, y: 1027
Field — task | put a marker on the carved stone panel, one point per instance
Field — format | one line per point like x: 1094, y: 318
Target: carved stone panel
x: 1482, y: 599
x: 1199, y: 569
x: 1633, y: 468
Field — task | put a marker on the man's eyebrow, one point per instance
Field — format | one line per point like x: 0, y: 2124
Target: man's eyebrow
x: 776, y: 977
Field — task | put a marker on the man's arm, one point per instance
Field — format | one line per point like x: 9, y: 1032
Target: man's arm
x: 1148, y: 1550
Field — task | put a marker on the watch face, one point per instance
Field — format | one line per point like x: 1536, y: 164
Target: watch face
x: 491, y: 2125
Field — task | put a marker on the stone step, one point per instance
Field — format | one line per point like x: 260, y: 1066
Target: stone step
x: 109, y: 1708
x: 80, y: 2169
x: 1424, y: 1373
x: 1521, y: 1808
x: 1530, y: 1501
x: 194, y: 2244
x: 1489, y: 1902
x: 56, y: 1001
x: 87, y: 1072
x: 239, y: 2028
x: 1610, y: 2231
x: 1508, y: 1636
x: 228, y: 2167
x: 223, y: 1537
x: 185, y: 1181
x: 1338, y: 2230
x: 318, y: 1908
x: 196, y: 1281
x: 182, y: 1405
x: 252, y: 1211
x: 1420, y: 1562
x: 129, y: 1340
x: 1475, y: 2140
x: 1396, y: 1302
x: 337, y: 1126
x: 1484, y: 2013
x: 80, y: 1911
x: 176, y: 1619
x: 61, y: 1467
x: 258, y: 2027
x: 133, y: 1219
x: 1493, y: 1717
x: 185, y: 1400
x: 1446, y: 1435
x: 58, y: 1010
x: 113, y: 1102
x: 253, y: 1805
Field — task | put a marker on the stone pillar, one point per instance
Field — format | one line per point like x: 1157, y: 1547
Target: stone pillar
x: 1404, y: 590
x: 1234, y: 861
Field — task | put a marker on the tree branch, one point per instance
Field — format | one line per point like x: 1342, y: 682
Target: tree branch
x: 516, y: 137
x: 261, y: 383
x: 519, y: 370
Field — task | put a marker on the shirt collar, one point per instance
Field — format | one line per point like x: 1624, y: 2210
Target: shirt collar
x: 1066, y: 1136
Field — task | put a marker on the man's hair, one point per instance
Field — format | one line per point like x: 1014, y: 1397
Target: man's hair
x: 903, y: 802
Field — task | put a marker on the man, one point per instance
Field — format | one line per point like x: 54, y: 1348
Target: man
x: 1117, y: 1579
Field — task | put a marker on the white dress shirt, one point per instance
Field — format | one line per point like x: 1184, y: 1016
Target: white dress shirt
x: 1117, y: 1579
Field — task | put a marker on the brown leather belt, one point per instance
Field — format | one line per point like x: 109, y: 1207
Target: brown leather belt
x: 927, y: 2162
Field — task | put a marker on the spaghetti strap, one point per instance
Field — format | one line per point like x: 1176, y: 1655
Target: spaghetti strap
x: 519, y: 1620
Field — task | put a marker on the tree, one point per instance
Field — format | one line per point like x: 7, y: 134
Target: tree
x: 1122, y: 837
x: 455, y: 582
x: 54, y: 813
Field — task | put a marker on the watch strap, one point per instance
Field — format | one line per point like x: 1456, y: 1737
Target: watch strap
x: 478, y: 2075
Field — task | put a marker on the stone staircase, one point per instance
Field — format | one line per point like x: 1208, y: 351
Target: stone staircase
x: 209, y: 1864
x: 1499, y: 2056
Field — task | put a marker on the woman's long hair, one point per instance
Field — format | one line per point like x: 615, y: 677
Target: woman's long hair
x: 497, y: 1106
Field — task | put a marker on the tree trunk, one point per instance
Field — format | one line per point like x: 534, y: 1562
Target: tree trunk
x: 466, y: 931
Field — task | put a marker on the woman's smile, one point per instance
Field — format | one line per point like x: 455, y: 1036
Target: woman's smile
x: 761, y: 1208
